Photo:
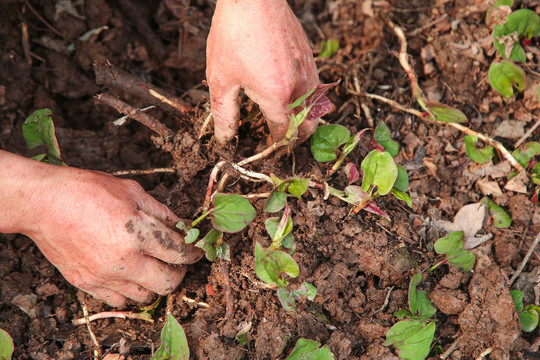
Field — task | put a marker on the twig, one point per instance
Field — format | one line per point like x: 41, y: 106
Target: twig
x: 485, y: 353
x: 198, y: 303
x: 227, y: 290
x: 134, y: 113
x: 143, y: 172
x: 386, y: 301
x: 97, y: 350
x: 417, y: 94
x: 109, y: 75
x: 527, y: 134
x: 205, y: 125
x: 257, y: 196
x: 251, y: 175
x: 111, y: 314
x: 451, y: 348
x: 427, y: 26
x: 26, y: 43
x: 212, y: 178
x: 525, y: 260
x: 38, y: 15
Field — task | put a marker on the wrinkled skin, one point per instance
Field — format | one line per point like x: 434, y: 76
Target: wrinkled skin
x: 106, y: 235
x: 258, y: 46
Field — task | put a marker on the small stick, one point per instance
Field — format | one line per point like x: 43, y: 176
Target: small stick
x: 427, y: 26
x: 97, y: 350
x: 109, y: 75
x: 485, y: 353
x: 527, y: 134
x: 111, y: 314
x: 213, y: 177
x: 205, y: 125
x: 26, y: 43
x: 386, y: 301
x: 143, y: 172
x: 38, y: 15
x: 451, y: 348
x: 257, y: 196
x: 251, y: 175
x: 227, y: 289
x: 525, y: 260
x: 191, y: 301
x: 134, y: 113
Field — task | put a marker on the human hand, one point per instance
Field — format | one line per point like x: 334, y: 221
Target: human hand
x: 106, y: 235
x: 258, y: 46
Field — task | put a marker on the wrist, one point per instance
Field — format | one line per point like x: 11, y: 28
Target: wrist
x: 23, y: 189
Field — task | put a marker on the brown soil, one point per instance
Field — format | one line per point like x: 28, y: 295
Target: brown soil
x: 354, y: 261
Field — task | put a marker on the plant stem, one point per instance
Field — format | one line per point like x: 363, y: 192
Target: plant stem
x: 200, y: 218
x: 115, y: 314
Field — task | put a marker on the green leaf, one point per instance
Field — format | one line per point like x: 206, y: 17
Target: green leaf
x: 402, y: 180
x: 286, y: 299
x: 276, y: 201
x: 402, y: 195
x: 382, y: 136
x: 412, y: 338
x: 301, y: 99
x: 174, y: 345
x: 529, y: 320
x: 501, y: 219
x: 211, y: 244
x: 402, y: 314
x: 418, y: 301
x: 521, y: 24
x: 298, y: 186
x: 307, y: 290
x: 38, y: 129
x: 505, y: 76
x: 326, y: 140
x: 279, y: 237
x: 526, y: 152
x: 192, y: 235
x: 480, y: 156
x: 380, y: 171
x: 452, y: 247
x: 508, y: 3
x: 271, y: 265
x: 329, y: 48
x: 445, y: 113
x: 517, y: 296
x: 6, y: 345
x: 309, y: 350
x: 231, y: 212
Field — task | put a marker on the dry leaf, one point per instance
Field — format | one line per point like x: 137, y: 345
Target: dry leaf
x: 469, y: 219
x: 518, y: 183
x: 510, y: 129
x: 489, y: 187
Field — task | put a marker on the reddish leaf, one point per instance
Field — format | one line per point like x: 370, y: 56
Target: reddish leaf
x: 374, y: 145
x: 352, y: 173
x: 373, y: 208
x: 318, y: 103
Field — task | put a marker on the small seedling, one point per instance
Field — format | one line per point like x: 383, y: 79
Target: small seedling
x: 6, y: 345
x: 414, y: 335
x: 310, y: 350
x: 272, y: 265
x: 280, y: 230
x: 452, y: 247
x: 278, y: 197
x: 505, y: 77
x: 382, y: 136
x: 480, y: 156
x: 329, y: 48
x: 501, y: 219
x: 38, y: 130
x: 288, y: 296
x: 174, y: 344
x: 214, y: 247
x: 412, y: 338
x: 326, y: 143
x: 529, y: 315
x: 443, y: 113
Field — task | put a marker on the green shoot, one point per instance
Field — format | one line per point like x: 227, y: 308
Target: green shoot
x: 480, y: 156
x: 382, y: 136
x: 174, y: 345
x: 505, y: 76
x: 272, y: 265
x: 6, y: 345
x: 528, y: 316
x: 412, y: 338
x: 38, y: 130
x: 214, y: 247
x: 501, y: 219
x: 329, y: 48
x: 309, y: 349
x: 452, y: 247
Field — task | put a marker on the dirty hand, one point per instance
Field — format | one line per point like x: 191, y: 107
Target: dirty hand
x: 106, y: 235
x: 258, y: 46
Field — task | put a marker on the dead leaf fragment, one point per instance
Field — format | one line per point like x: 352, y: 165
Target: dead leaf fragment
x: 518, y: 183
x: 510, y: 129
x: 469, y: 219
x: 489, y: 187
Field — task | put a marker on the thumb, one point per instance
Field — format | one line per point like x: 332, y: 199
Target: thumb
x: 225, y: 110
